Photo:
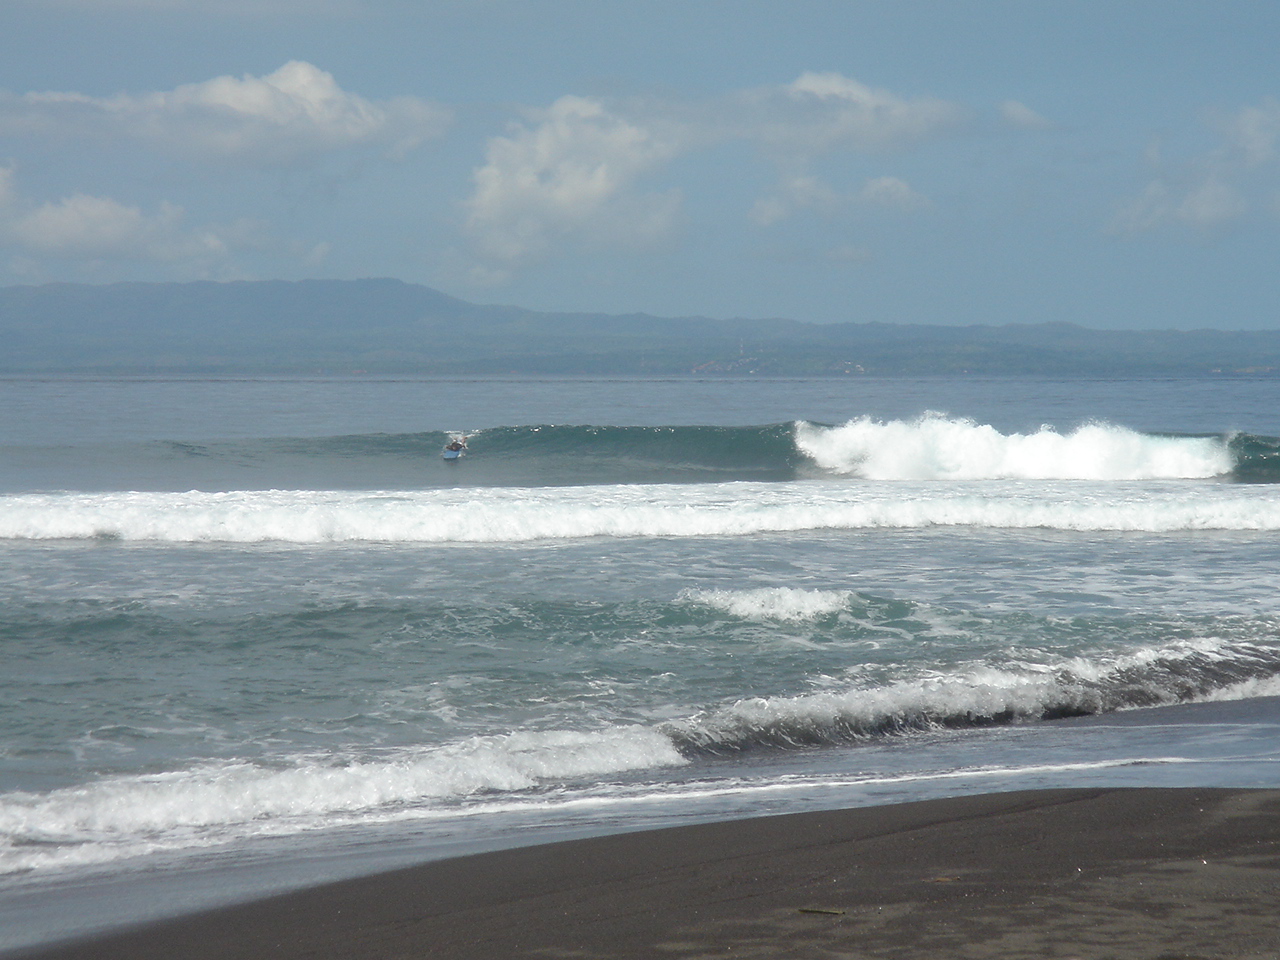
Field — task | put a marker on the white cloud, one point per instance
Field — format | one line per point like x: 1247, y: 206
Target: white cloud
x: 574, y: 172
x: 1212, y: 190
x: 821, y: 112
x: 1209, y: 204
x: 796, y: 193
x: 1253, y: 132
x: 891, y: 192
x: 809, y: 193
x: 1020, y: 115
x: 85, y: 227
x: 88, y: 228
x: 291, y: 115
x: 571, y: 175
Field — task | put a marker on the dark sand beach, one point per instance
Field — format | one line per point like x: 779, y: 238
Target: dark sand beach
x: 1102, y: 873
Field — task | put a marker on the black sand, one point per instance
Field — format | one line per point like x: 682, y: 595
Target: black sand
x: 1087, y: 874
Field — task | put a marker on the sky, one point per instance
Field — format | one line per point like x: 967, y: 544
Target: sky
x: 1109, y: 163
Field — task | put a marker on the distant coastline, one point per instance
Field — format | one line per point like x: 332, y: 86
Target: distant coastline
x: 381, y: 326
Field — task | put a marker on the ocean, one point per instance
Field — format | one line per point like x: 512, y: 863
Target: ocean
x: 258, y: 633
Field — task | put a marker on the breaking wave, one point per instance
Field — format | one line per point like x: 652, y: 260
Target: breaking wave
x: 494, y: 515
x: 932, y: 447
x: 219, y: 802
x: 935, y: 447
x: 984, y: 695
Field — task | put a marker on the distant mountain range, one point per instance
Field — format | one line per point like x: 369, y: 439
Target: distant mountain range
x: 390, y: 327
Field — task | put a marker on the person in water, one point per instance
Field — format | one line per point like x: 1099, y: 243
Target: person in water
x: 457, y: 443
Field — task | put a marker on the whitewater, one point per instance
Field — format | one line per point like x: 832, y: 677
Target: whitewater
x: 739, y: 509
x: 258, y: 633
x: 886, y: 456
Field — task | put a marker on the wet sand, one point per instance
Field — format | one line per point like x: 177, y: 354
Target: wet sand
x: 1162, y: 874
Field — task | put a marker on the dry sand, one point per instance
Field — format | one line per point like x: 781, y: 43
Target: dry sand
x: 1087, y: 874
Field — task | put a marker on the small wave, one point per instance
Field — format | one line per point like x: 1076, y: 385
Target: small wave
x: 220, y: 802
x: 936, y: 447
x: 984, y: 695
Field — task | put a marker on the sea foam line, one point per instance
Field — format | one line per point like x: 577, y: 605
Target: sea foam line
x: 636, y: 510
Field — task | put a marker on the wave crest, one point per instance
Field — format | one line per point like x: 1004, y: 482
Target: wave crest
x: 219, y: 802
x: 936, y: 447
x: 984, y: 695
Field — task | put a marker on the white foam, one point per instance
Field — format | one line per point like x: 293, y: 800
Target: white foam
x: 935, y: 447
x: 637, y: 510
x: 776, y: 603
x: 1247, y: 690
x: 219, y: 802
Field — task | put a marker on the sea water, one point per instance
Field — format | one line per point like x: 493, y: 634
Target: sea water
x: 258, y: 633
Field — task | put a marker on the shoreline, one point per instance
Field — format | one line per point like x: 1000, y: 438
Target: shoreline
x: 1075, y: 873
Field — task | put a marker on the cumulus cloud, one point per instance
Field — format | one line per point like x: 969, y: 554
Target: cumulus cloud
x: 90, y: 228
x: 572, y: 173
x: 291, y: 115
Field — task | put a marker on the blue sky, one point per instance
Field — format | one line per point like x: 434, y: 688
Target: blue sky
x: 1111, y: 164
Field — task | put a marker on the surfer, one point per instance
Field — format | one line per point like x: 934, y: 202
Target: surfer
x: 453, y: 449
